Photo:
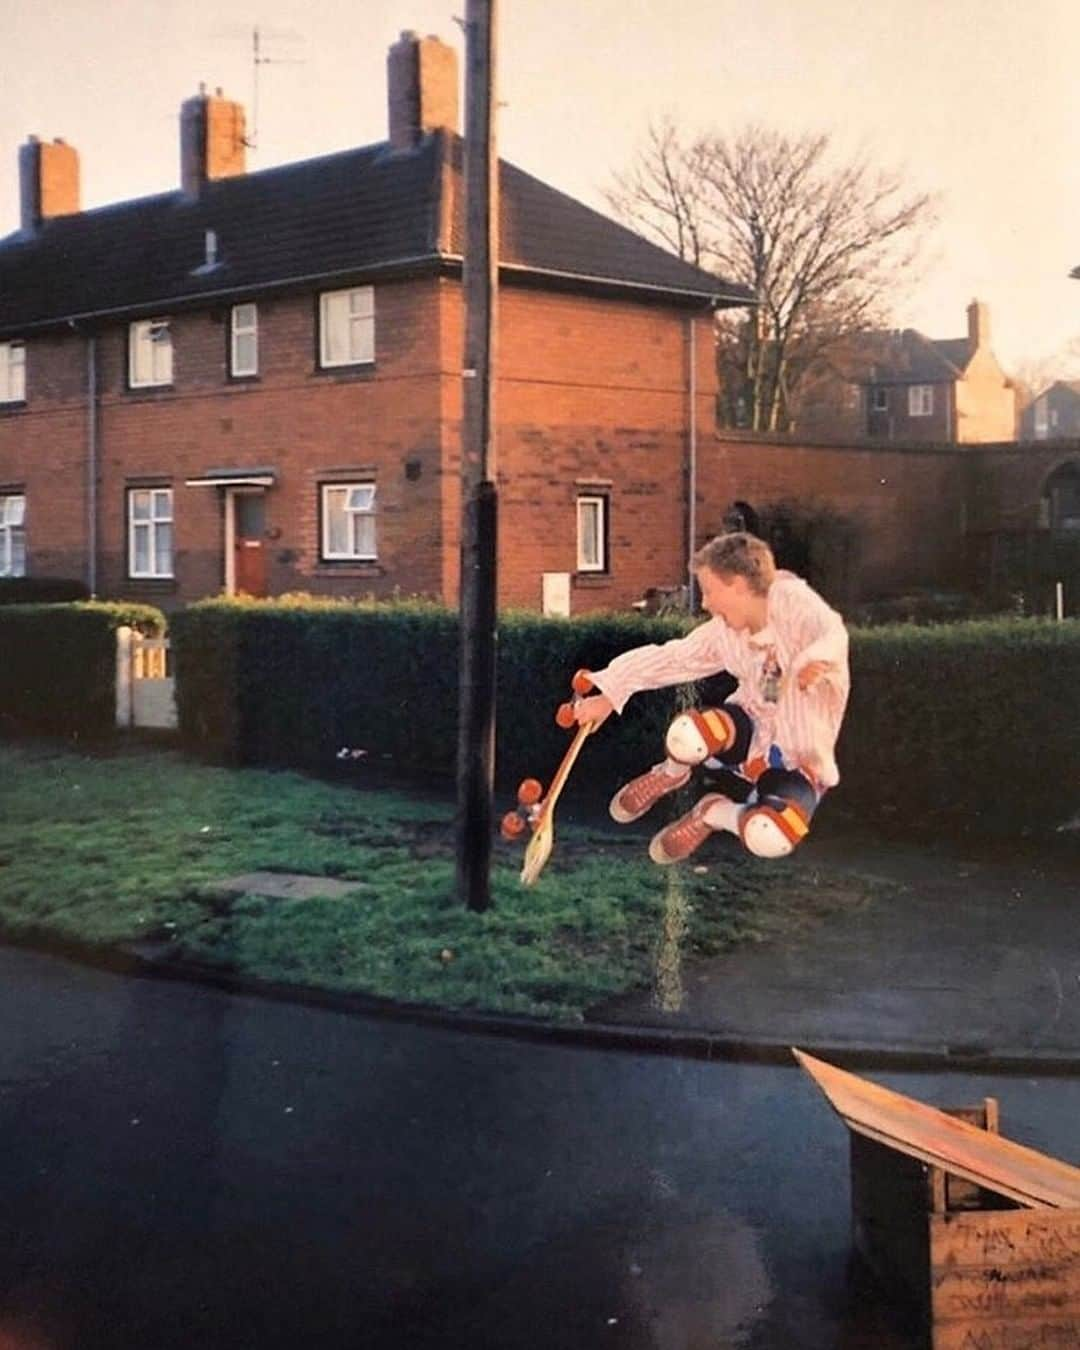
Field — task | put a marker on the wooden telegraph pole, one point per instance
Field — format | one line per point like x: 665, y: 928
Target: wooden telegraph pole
x: 479, y: 501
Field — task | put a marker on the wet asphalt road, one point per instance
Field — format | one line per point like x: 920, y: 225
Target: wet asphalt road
x: 185, y: 1167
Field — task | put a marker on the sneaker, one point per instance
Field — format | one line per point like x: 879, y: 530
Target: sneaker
x: 642, y: 793
x: 679, y: 839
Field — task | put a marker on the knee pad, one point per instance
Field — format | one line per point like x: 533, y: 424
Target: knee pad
x: 695, y: 736
x: 773, y: 828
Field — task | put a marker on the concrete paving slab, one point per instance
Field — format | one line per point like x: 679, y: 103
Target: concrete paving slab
x: 286, y: 886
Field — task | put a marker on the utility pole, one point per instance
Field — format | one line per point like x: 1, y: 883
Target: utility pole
x: 479, y: 498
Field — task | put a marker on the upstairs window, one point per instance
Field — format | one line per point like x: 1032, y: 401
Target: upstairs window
x: 348, y: 522
x: 347, y: 327
x: 244, y: 341
x: 592, y: 533
x: 150, y: 532
x: 12, y: 372
x: 920, y: 400
x: 879, y: 400
x: 13, y: 535
x: 149, y: 353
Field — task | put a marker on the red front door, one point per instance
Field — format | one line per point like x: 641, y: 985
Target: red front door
x: 249, y: 557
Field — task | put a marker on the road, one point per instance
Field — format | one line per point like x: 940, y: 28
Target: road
x: 183, y: 1166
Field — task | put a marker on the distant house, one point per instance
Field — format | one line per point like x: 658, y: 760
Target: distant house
x: 903, y: 386
x: 253, y: 382
x: 1054, y: 414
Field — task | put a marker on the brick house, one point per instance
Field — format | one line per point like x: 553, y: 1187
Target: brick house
x: 253, y: 383
x: 902, y: 386
x: 1054, y: 414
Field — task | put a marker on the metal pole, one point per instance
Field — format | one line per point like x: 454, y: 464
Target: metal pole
x: 479, y: 498
x: 692, y: 473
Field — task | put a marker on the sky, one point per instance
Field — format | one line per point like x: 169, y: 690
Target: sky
x: 977, y: 101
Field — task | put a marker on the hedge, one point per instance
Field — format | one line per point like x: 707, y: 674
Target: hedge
x: 58, y: 665
x: 951, y: 726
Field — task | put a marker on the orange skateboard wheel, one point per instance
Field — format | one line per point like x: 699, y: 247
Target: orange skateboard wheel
x: 513, y: 825
x: 582, y: 682
x: 565, y: 716
x: 530, y: 791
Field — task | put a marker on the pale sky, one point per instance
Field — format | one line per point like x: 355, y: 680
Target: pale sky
x: 978, y: 100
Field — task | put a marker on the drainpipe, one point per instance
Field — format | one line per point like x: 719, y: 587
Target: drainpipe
x: 91, y: 464
x: 691, y: 491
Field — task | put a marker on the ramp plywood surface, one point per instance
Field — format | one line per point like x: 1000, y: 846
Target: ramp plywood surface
x: 1032, y: 1179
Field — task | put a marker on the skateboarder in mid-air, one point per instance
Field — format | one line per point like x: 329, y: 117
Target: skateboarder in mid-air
x: 769, y: 750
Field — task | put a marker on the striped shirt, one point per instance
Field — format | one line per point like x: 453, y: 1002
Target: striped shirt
x: 800, y: 627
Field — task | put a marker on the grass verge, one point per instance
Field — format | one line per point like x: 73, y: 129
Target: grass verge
x: 111, y: 848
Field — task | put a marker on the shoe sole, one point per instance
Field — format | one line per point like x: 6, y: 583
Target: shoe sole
x: 623, y: 817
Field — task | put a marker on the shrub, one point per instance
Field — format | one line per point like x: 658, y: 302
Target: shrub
x: 41, y: 590
x: 58, y: 672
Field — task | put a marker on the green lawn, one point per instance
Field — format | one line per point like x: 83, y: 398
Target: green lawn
x: 109, y: 848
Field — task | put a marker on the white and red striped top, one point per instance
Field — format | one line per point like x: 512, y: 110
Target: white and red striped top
x: 800, y: 628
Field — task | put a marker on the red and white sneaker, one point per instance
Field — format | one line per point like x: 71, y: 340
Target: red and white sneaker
x: 642, y: 793
x: 679, y: 839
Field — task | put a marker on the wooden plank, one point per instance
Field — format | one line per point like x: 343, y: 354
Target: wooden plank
x: 997, y: 1164
x: 1004, y: 1238
x: 1032, y: 1333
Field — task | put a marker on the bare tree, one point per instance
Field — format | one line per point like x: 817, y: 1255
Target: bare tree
x: 822, y: 246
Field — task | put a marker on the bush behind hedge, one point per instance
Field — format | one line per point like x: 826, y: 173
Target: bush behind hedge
x: 58, y: 665
x: 967, y: 725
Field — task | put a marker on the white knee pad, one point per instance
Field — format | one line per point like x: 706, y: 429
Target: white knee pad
x: 694, y: 736
x: 772, y: 832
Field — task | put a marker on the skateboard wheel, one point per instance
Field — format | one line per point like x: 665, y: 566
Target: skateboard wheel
x: 513, y: 825
x: 582, y: 682
x: 565, y: 716
x: 530, y: 791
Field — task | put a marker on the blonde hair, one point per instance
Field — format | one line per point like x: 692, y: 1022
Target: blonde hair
x: 739, y: 554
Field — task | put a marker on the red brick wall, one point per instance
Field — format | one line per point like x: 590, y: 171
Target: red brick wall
x: 592, y: 395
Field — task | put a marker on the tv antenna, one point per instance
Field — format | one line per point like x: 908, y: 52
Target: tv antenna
x: 258, y: 60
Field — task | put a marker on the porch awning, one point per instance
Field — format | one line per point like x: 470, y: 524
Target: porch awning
x: 234, y: 478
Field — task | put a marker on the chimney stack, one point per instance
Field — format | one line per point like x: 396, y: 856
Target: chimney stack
x: 212, y: 140
x: 422, y: 88
x: 48, y: 181
x: 978, y: 326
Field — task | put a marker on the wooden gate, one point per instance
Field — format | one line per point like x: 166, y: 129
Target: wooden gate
x: 145, y: 688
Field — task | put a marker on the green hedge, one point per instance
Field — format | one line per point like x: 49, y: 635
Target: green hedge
x: 955, y: 726
x: 58, y: 665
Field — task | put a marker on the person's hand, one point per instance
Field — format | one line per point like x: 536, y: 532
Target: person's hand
x: 596, y: 708
x: 813, y: 671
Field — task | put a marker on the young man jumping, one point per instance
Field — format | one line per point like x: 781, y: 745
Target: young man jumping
x: 770, y: 748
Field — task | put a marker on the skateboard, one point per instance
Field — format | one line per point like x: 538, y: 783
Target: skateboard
x: 537, y: 810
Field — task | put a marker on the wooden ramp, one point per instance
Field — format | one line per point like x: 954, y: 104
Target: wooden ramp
x: 1032, y: 1179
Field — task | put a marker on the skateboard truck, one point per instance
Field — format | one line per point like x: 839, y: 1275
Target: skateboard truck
x: 535, y: 809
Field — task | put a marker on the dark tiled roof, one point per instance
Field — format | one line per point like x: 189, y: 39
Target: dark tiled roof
x: 350, y: 214
x: 905, y: 357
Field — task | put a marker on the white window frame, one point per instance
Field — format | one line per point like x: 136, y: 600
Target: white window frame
x: 879, y: 399
x: 243, y: 326
x: 12, y: 526
x: 347, y: 327
x: 364, y: 494
x: 151, y: 338
x: 12, y: 372
x: 598, y: 505
x: 920, y: 400
x: 160, y: 513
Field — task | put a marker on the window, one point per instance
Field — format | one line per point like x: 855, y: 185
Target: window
x: 880, y: 400
x: 347, y: 327
x: 348, y: 522
x: 592, y: 511
x: 149, y: 353
x: 150, y: 532
x: 920, y: 400
x: 13, y: 535
x: 244, y: 341
x: 12, y: 372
